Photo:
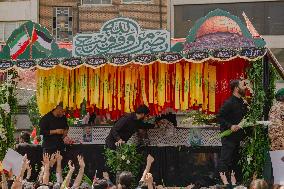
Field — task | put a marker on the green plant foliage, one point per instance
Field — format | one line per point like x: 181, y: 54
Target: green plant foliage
x: 9, y: 106
x: 33, y: 111
x: 256, y: 147
x: 125, y: 158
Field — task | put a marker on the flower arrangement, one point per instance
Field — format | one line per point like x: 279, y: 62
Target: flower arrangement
x: 8, y: 106
x: 125, y: 158
x: 196, y: 117
x: 35, y: 117
x: 33, y: 111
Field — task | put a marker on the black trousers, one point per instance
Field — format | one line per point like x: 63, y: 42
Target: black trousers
x: 229, y: 159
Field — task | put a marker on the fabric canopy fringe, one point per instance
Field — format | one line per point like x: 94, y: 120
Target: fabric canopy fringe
x: 116, y: 90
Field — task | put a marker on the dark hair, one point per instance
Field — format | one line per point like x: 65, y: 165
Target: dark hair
x: 100, y: 184
x: 142, y: 109
x: 60, y: 105
x: 276, y: 186
x: 280, y: 98
x: 125, y: 179
x: 25, y: 136
x: 234, y: 84
x: 258, y: 184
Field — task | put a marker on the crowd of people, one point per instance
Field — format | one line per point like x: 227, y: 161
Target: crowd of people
x: 53, y: 163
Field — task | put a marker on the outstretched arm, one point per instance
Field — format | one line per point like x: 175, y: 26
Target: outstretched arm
x: 46, y: 173
x: 80, y: 175
x: 24, y: 167
x: 4, y: 180
x: 150, y: 160
x: 69, y: 175
x: 58, y: 158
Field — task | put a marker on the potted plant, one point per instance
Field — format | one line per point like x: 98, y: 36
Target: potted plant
x: 125, y: 158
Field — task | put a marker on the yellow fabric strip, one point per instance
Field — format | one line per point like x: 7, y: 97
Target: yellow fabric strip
x: 177, y: 85
x: 106, y: 86
x: 151, y: 83
x: 186, y: 87
x: 212, y: 87
x: 206, y: 87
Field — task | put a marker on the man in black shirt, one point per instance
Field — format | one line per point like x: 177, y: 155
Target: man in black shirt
x: 126, y: 126
x: 54, y: 127
x: 231, y: 114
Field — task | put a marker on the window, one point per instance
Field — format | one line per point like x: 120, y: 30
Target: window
x: 267, y: 17
x: 62, y: 27
x: 6, y: 29
x: 96, y: 2
x: 137, y: 1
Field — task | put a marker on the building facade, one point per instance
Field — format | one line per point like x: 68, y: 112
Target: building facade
x: 267, y: 16
x: 13, y: 14
x: 65, y: 18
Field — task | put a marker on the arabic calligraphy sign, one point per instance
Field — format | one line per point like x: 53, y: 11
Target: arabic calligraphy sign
x: 121, y: 36
x: 145, y: 58
x: 170, y: 57
x: 253, y: 52
x: 121, y: 59
x: 197, y: 55
x: 72, y: 62
x: 48, y: 63
x: 6, y: 64
x: 224, y: 53
x: 96, y: 60
x: 26, y: 64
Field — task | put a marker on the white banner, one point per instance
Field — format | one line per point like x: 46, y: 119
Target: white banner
x: 277, y: 159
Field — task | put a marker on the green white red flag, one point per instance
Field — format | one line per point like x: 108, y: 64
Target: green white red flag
x: 19, y: 45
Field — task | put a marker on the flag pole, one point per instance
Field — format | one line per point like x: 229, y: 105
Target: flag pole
x: 29, y: 40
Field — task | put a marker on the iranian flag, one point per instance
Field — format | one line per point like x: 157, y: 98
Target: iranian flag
x: 41, y: 41
x: 19, y: 45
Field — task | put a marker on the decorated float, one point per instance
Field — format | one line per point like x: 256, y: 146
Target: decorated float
x: 122, y: 66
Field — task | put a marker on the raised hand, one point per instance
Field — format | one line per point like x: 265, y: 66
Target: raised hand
x: 10, y: 174
x: 71, y: 166
x: 149, y: 178
x: 224, y: 178
x: 29, y: 169
x: 58, y: 156
x: 81, y: 161
x: 235, y: 128
x: 52, y: 160
x: 120, y: 142
x: 17, y: 184
x: 25, y: 164
x: 233, y: 178
x: 45, y: 159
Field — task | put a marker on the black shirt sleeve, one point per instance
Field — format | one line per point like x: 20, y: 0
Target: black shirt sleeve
x: 118, y: 125
x: 225, y: 110
x: 144, y: 125
x: 44, y: 127
x: 65, y: 123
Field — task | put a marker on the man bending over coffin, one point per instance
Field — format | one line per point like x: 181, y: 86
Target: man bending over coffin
x: 127, y: 125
